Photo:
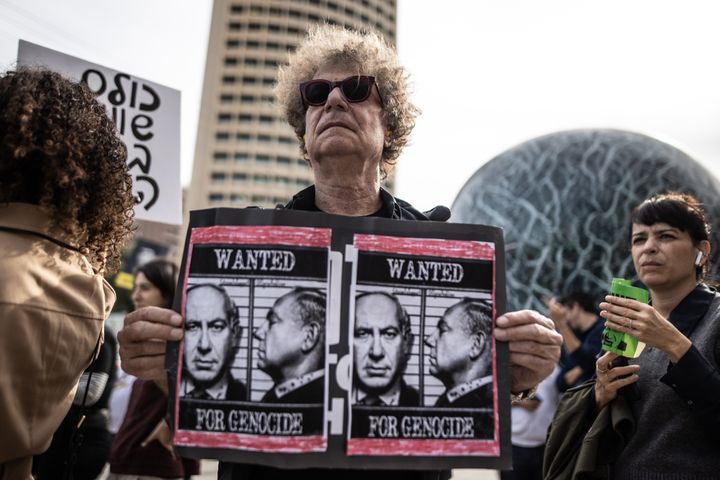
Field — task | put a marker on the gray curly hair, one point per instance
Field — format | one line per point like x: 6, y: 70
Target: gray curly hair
x: 370, y: 54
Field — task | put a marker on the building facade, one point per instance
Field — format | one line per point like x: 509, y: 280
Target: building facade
x: 245, y: 152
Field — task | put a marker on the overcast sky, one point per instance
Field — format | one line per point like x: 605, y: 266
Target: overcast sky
x: 486, y: 74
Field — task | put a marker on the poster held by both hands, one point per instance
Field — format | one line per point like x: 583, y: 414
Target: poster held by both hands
x: 315, y: 340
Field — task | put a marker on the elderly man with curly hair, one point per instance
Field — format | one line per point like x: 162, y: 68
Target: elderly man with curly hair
x: 65, y: 211
x: 346, y: 96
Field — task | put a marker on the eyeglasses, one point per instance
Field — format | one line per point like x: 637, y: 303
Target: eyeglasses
x: 355, y: 89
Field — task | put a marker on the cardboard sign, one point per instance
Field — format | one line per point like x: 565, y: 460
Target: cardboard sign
x: 318, y: 340
x: 147, y: 116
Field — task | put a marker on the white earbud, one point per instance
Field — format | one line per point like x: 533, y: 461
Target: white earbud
x: 698, y: 258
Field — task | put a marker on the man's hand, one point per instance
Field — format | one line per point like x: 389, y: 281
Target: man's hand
x: 534, y: 347
x: 142, y: 342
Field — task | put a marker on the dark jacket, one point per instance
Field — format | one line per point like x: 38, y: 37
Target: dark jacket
x: 581, y: 445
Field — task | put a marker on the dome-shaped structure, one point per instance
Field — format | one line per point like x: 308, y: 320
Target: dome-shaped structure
x: 564, y: 201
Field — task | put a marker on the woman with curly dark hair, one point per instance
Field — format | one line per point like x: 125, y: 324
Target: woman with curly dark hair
x: 65, y: 212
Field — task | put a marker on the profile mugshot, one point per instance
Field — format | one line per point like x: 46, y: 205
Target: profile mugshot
x: 461, y: 355
x: 382, y: 342
x: 291, y: 347
x: 212, y: 333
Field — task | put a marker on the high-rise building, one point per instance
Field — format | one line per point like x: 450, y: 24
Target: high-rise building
x: 245, y: 153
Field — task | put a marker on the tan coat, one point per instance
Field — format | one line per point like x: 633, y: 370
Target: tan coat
x: 52, y: 309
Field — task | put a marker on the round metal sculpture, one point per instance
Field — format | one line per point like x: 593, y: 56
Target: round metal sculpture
x: 564, y: 201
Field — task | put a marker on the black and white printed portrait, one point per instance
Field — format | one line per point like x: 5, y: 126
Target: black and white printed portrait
x: 460, y: 355
x: 212, y: 333
x: 382, y: 344
x: 291, y: 347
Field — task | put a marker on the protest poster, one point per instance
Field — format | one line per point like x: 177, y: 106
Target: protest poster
x: 147, y: 116
x: 315, y: 340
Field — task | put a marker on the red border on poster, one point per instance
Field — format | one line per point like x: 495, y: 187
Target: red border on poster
x: 471, y: 250
x: 264, y: 235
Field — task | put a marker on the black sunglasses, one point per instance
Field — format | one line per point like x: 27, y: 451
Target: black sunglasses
x: 355, y: 89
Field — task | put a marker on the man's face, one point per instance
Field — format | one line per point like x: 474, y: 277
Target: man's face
x: 450, y: 345
x: 281, y: 337
x: 344, y: 138
x: 208, y: 338
x: 380, y: 351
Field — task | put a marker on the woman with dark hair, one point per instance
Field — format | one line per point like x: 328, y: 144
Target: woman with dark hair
x: 671, y: 391
x: 143, y: 447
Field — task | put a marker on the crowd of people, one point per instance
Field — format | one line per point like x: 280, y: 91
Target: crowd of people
x: 65, y: 212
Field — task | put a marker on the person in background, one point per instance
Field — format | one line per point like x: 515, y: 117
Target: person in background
x: 346, y: 96
x: 65, y: 212
x: 577, y: 320
x: 530, y: 421
x: 142, y: 448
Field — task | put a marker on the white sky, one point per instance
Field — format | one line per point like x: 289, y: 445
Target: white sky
x: 487, y: 74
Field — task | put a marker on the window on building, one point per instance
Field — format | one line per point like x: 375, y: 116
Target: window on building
x: 237, y: 198
x: 261, y: 199
x: 247, y: 99
x: 268, y: 81
x: 254, y: 27
x: 286, y: 140
x: 222, y: 136
x: 252, y: 44
x: 249, y: 80
x: 234, y: 26
x: 239, y: 177
x: 234, y: 8
x: 228, y: 79
x: 293, y: 30
x: 261, y: 178
x: 243, y: 137
x: 250, y: 62
x: 283, y: 160
x: 241, y: 157
x: 216, y: 197
x: 264, y: 138
x: 220, y: 157
x: 245, y: 118
x: 269, y: 62
x: 226, y: 98
x: 231, y: 61
x: 266, y: 119
x: 224, y: 117
x: 232, y: 43
x: 262, y: 158
x: 218, y: 177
